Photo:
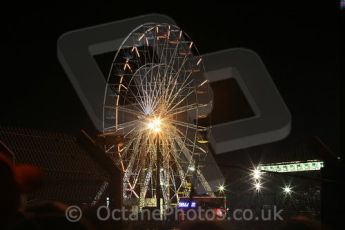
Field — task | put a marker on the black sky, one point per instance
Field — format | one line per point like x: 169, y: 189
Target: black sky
x: 300, y: 47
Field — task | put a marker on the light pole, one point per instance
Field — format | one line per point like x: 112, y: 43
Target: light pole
x: 158, y: 185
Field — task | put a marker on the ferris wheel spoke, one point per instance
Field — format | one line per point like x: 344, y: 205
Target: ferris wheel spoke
x: 128, y: 170
x: 125, y: 95
x: 195, y: 146
x: 127, y: 110
x: 175, y: 90
x: 183, y: 99
x: 129, y: 132
x: 190, y: 143
x: 188, y: 125
x: 187, y: 153
x: 186, y: 108
x: 135, y: 96
x: 112, y: 130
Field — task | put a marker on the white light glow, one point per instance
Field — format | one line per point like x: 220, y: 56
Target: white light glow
x: 256, y: 174
x: 258, y: 186
x: 191, y: 168
x: 287, y: 189
x: 222, y: 188
x: 154, y: 125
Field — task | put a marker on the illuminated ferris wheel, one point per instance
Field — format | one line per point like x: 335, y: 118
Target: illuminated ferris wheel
x: 155, y: 98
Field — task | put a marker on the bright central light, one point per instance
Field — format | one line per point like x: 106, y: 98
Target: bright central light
x: 257, y: 186
x: 221, y: 188
x: 256, y: 174
x: 154, y: 125
x: 287, y: 189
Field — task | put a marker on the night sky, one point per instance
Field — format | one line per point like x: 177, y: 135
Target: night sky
x: 300, y: 47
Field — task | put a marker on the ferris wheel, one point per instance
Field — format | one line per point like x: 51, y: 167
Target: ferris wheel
x: 155, y: 98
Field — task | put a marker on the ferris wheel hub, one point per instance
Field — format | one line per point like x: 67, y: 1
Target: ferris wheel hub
x: 154, y: 124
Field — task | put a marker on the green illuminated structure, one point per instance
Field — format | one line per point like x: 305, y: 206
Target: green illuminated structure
x: 296, y: 166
